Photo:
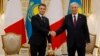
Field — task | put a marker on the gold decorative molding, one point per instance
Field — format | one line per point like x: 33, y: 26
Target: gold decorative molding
x: 86, y: 7
x: 1, y: 6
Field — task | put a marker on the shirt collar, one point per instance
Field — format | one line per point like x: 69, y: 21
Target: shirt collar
x: 40, y: 15
x: 75, y: 15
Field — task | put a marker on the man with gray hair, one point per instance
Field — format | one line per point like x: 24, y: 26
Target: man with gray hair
x: 77, y: 31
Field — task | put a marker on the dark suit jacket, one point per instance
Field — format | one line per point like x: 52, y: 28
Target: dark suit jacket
x: 40, y: 30
x: 78, y: 35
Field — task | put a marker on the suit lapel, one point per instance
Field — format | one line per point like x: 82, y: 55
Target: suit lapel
x: 41, y: 22
x: 71, y: 20
x: 78, y: 20
x: 39, y: 19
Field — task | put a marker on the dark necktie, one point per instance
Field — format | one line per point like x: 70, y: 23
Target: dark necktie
x: 74, y: 21
x: 43, y: 19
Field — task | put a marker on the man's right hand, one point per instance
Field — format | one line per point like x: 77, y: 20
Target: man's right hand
x: 52, y: 33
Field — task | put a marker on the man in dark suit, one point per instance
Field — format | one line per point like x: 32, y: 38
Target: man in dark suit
x: 40, y: 32
x: 77, y: 31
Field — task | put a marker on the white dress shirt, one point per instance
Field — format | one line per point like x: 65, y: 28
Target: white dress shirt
x: 41, y: 16
x: 76, y: 15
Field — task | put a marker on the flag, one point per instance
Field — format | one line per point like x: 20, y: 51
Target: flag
x: 32, y: 10
x: 55, y: 15
x: 14, y: 21
x: 80, y: 6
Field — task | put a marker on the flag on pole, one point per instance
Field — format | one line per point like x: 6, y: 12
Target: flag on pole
x: 14, y: 21
x: 32, y: 10
x: 55, y: 15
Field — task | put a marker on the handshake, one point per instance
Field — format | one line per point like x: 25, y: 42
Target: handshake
x: 52, y: 33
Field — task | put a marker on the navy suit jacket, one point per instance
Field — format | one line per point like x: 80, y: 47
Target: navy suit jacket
x: 78, y: 35
x: 40, y: 30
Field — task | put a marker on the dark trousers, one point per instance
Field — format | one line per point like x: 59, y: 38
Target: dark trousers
x: 80, y: 50
x: 37, y: 50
